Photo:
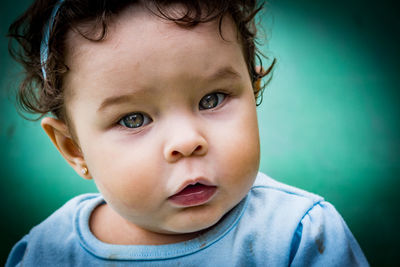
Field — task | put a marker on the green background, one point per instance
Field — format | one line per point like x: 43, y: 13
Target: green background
x: 329, y: 121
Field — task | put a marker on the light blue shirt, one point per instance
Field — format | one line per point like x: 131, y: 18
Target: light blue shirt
x: 274, y: 225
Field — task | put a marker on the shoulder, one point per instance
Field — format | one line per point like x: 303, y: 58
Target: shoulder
x: 57, y: 232
x: 62, y: 220
x: 278, y: 199
x: 273, y: 213
x: 267, y: 184
x: 68, y: 209
x: 297, y: 228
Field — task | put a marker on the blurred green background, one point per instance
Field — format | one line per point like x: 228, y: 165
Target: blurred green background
x: 329, y: 121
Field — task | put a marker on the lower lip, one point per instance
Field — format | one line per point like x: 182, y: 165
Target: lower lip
x: 193, y: 196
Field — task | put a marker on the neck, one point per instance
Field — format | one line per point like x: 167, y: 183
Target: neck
x: 109, y: 227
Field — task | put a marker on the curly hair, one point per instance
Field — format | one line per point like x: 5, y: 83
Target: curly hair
x: 41, y: 95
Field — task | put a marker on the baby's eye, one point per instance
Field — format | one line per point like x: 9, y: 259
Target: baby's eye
x: 135, y: 120
x: 211, y: 100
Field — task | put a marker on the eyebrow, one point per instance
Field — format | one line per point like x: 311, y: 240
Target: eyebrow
x: 114, y: 100
x: 221, y: 74
x: 224, y: 73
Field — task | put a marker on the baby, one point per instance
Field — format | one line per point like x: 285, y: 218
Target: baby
x: 156, y: 102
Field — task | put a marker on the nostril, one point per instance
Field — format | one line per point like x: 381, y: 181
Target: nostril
x: 187, y: 148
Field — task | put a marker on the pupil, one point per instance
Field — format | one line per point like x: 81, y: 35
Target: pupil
x: 209, y: 101
x: 134, y: 121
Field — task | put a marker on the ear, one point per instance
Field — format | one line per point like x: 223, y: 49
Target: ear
x: 59, y: 134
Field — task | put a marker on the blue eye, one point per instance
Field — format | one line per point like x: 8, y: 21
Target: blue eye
x: 211, y: 100
x: 135, y: 120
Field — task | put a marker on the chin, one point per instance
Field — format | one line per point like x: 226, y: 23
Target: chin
x: 192, y: 224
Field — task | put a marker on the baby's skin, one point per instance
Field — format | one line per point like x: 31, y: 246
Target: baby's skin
x: 164, y: 119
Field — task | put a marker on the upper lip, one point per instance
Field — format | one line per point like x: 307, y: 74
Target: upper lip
x: 199, y: 180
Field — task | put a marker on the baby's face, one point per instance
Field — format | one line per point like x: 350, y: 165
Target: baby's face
x: 157, y: 108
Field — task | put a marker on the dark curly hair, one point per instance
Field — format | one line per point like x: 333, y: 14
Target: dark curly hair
x: 39, y: 95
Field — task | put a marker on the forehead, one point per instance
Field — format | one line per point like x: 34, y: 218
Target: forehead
x: 138, y: 39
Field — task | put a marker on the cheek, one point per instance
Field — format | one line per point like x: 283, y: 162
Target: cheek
x: 241, y: 158
x: 239, y: 155
x: 123, y: 175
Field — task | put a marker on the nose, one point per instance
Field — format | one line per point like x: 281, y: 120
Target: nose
x: 184, y: 141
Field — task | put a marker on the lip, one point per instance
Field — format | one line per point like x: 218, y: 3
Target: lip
x: 193, y: 193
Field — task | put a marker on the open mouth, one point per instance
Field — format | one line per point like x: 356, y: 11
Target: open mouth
x: 193, y: 195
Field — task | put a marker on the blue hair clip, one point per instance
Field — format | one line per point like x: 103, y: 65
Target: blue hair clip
x: 44, y: 45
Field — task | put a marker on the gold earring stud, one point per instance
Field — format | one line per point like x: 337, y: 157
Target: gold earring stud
x: 84, y: 170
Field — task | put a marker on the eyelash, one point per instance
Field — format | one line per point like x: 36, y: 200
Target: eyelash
x: 145, y: 119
